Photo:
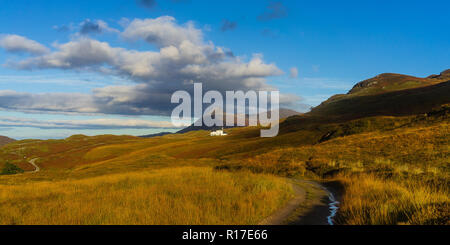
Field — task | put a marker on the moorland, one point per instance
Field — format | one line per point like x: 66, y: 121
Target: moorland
x: 383, y: 148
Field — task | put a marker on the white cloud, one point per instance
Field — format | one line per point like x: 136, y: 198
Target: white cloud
x: 83, y: 52
x: 183, y: 58
x: 16, y: 43
x: 162, y: 31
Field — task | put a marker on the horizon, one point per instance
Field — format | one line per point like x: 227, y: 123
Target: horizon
x: 108, y: 67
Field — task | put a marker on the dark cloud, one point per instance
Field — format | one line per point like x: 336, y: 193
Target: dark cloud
x: 95, y: 27
x: 147, y: 3
x: 228, y: 25
x: 229, y: 53
x: 88, y: 27
x: 275, y: 10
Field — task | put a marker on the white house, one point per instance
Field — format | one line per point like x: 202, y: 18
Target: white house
x: 218, y: 133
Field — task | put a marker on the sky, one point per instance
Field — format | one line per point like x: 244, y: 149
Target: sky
x: 109, y: 67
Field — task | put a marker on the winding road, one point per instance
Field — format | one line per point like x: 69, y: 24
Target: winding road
x: 315, y: 206
x: 36, y: 167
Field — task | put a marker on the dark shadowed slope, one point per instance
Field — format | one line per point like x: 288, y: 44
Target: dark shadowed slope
x: 384, y: 95
x: 397, y: 103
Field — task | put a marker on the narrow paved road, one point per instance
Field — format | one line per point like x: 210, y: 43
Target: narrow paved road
x: 36, y: 167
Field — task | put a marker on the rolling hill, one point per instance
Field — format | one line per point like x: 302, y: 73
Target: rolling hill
x: 5, y: 140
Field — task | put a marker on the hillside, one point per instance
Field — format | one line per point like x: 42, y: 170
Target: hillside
x: 5, y: 140
x: 443, y: 76
x: 383, y: 95
x: 394, y: 103
x: 389, y: 82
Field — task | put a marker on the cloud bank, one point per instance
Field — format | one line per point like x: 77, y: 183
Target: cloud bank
x: 177, y: 56
x: 101, y: 123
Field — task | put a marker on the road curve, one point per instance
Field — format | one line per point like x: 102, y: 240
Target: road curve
x: 313, y: 206
x: 36, y: 167
x: 281, y: 215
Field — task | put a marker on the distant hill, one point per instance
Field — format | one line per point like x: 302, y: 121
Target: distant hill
x: 155, y: 135
x: 283, y: 113
x: 5, y: 140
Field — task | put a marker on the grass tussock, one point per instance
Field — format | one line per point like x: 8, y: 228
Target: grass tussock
x: 369, y: 199
x: 187, y: 195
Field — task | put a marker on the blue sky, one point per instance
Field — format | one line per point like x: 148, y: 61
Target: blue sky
x: 332, y: 44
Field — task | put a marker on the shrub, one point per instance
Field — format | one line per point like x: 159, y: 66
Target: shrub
x: 11, y: 169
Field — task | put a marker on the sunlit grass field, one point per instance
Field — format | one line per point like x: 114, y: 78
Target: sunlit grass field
x: 185, y: 195
x: 395, y: 176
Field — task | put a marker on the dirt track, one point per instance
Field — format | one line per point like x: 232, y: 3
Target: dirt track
x: 310, y: 206
x: 36, y: 167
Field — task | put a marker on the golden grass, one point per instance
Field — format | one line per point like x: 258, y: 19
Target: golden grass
x: 397, y: 176
x: 394, y: 170
x: 371, y: 200
x: 186, y: 195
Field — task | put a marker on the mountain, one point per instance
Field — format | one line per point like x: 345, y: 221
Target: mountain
x: 5, y: 140
x: 283, y: 113
x: 387, y: 95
